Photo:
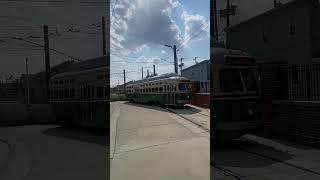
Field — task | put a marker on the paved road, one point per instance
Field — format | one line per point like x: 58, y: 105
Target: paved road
x: 50, y: 152
x: 152, y: 143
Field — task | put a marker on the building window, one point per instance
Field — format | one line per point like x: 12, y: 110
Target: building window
x: 292, y: 26
x: 201, y: 84
x: 160, y: 89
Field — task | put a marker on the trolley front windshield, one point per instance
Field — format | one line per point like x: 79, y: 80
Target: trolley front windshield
x: 234, y: 80
x: 184, y: 87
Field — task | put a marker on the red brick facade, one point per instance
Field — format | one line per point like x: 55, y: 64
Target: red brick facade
x: 289, y: 120
x: 297, y: 121
x: 202, y: 100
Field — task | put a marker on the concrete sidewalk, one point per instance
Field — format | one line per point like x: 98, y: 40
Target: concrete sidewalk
x: 152, y: 143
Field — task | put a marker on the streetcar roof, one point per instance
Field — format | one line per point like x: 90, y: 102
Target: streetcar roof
x: 219, y: 54
x: 174, y: 77
x: 71, y: 73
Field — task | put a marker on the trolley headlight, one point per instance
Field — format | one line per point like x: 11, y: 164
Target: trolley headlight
x: 250, y: 111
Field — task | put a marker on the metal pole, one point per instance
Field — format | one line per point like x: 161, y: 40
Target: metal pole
x: 215, y: 20
x: 175, y: 59
x: 47, y: 59
x: 28, y: 85
x: 103, y: 37
x: 228, y: 23
x: 124, y: 80
x: 142, y: 73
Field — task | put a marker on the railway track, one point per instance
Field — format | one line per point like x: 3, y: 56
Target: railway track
x: 228, y: 172
x: 198, y: 124
x: 234, y: 174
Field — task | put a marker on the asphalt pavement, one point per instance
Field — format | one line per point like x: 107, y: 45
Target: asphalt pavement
x: 51, y: 152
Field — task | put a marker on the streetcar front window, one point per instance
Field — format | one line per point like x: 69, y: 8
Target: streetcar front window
x: 184, y: 87
x: 249, y: 78
x: 230, y: 80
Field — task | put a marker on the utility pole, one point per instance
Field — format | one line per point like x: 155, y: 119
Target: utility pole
x: 28, y: 85
x: 227, y: 23
x: 175, y: 59
x: 124, y: 80
x: 118, y: 87
x: 215, y: 19
x: 47, y: 59
x: 181, y: 64
x: 142, y: 73
x: 174, y: 47
x: 154, y: 70
x: 103, y: 36
x: 195, y: 60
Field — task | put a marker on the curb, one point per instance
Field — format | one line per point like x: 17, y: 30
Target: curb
x: 18, y: 162
x: 3, y: 164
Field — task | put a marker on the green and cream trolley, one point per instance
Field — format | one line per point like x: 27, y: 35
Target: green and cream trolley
x: 235, y: 99
x: 167, y: 89
x: 81, y: 98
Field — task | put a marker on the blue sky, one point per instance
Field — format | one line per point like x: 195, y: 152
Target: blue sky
x: 141, y: 28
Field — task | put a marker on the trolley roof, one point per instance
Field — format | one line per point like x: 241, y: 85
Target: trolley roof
x: 219, y: 54
x: 168, y: 76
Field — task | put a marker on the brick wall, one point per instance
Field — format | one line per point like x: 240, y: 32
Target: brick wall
x: 199, y: 99
x: 271, y: 88
x: 297, y: 121
x: 202, y: 100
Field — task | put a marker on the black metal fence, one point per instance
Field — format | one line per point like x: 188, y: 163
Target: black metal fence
x: 304, y: 82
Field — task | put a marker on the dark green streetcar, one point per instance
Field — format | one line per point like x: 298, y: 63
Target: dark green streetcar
x: 80, y: 97
x: 168, y: 89
x: 235, y: 98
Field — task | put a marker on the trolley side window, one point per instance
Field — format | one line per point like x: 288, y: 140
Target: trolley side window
x: 72, y: 93
x: 99, y: 91
x: 230, y: 80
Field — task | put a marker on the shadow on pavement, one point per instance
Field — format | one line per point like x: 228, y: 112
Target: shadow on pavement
x: 241, y: 153
x: 90, y: 136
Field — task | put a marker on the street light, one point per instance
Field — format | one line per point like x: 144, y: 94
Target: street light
x: 175, y: 57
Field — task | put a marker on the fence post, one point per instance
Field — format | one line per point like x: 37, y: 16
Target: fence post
x: 308, y: 81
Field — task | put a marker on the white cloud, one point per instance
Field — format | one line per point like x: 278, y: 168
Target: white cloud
x: 140, y: 23
x: 148, y: 61
x: 196, y: 27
